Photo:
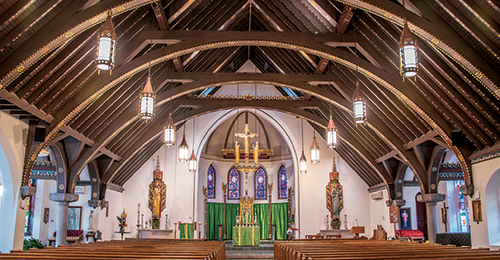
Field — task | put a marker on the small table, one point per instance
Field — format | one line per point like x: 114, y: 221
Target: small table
x: 343, y: 232
x: 89, y: 235
x: 52, y: 241
x: 156, y: 233
x: 118, y: 232
x: 246, y: 236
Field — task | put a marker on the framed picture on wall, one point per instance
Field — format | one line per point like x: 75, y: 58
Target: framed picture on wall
x: 476, y: 211
x: 404, y: 218
x: 74, y: 218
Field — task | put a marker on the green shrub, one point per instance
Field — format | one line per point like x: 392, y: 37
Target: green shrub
x: 32, y: 243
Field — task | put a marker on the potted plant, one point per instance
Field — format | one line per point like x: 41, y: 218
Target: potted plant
x: 335, y: 223
x: 32, y: 243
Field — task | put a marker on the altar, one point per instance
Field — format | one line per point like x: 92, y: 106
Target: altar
x: 246, y: 236
x: 156, y: 233
x: 246, y: 232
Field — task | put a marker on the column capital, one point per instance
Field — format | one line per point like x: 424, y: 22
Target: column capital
x: 467, y: 189
x: 398, y: 203
x: 432, y: 197
x: 63, y: 197
x: 27, y: 191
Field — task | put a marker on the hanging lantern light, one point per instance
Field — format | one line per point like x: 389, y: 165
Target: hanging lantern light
x: 183, y: 151
x: 303, y: 160
x: 147, y: 99
x: 331, y: 134
x: 106, y: 42
x: 314, y: 150
x: 169, y: 131
x: 193, y: 164
x: 303, y: 164
x: 359, y: 106
x: 408, y: 53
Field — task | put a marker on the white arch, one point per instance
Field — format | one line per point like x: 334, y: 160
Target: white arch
x: 271, y: 117
x: 11, y: 216
x: 492, y: 206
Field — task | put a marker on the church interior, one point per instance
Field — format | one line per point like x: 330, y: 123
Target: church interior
x: 272, y: 126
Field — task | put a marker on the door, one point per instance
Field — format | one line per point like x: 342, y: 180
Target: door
x: 421, y: 217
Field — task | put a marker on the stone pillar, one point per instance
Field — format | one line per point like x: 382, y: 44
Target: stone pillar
x: 431, y: 201
x: 62, y: 214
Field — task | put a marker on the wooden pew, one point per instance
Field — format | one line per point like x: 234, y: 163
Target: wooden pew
x: 129, y: 249
x: 373, y: 249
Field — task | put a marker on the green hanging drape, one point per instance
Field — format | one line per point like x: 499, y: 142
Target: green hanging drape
x: 231, y: 210
x: 262, y: 211
x: 280, y: 219
x: 215, y: 216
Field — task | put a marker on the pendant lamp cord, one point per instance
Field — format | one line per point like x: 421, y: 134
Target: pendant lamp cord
x: 302, y: 126
x: 194, y: 121
x: 356, y: 52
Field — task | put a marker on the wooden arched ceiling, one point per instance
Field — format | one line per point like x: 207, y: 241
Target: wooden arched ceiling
x: 47, y: 73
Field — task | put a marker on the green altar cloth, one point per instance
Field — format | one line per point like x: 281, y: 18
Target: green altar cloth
x: 186, y: 231
x: 246, y: 236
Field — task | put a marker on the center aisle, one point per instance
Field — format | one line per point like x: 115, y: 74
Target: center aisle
x: 264, y: 251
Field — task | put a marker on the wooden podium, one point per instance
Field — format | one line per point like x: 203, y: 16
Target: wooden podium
x: 357, y: 230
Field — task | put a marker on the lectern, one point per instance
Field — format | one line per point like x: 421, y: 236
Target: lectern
x: 357, y: 230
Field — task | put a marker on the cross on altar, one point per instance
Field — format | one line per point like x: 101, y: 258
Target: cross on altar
x: 246, y: 135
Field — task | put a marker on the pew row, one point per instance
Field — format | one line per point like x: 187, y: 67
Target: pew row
x: 128, y: 249
x: 373, y: 249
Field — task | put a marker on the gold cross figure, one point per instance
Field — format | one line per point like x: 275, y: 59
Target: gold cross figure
x: 246, y: 135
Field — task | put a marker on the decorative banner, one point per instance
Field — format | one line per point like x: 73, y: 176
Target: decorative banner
x: 334, y: 194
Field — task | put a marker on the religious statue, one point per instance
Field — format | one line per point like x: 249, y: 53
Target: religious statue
x: 91, y: 220
x: 334, y: 194
x: 122, y: 219
x: 236, y: 152
x: 157, y: 196
x: 256, y: 153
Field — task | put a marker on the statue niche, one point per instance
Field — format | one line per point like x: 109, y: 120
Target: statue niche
x: 157, y: 196
x: 334, y: 196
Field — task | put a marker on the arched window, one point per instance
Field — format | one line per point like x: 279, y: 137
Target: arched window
x: 282, y: 183
x: 211, y: 179
x: 260, y: 184
x: 234, y: 183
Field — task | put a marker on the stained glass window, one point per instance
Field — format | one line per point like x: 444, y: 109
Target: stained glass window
x: 234, y: 182
x: 211, y: 178
x: 463, y: 209
x: 260, y: 184
x: 28, y: 225
x: 282, y: 183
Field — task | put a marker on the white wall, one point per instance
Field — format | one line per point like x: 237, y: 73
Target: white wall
x: 12, y: 135
x: 484, y: 172
x: 379, y: 215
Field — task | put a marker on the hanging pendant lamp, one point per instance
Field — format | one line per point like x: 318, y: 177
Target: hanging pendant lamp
x: 359, y: 106
x: 314, y: 150
x: 303, y: 160
x: 183, y: 151
x: 169, y: 132
x: 147, y: 101
x: 359, y: 101
x: 331, y: 134
x: 193, y: 164
x: 408, y: 52
x: 106, y: 42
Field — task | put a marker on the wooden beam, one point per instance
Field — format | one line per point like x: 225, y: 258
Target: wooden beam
x: 420, y: 140
x: 320, y: 68
x: 344, y: 19
x: 391, y: 154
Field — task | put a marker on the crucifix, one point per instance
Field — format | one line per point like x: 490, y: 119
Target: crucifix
x: 246, y: 135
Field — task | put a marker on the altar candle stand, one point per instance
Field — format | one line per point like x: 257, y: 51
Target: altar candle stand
x: 138, y: 220
x: 175, y: 230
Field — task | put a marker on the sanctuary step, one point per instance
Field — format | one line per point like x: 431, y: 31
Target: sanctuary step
x: 264, y: 251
